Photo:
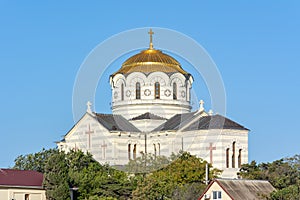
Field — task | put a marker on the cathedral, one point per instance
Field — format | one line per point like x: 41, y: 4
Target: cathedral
x: 151, y: 113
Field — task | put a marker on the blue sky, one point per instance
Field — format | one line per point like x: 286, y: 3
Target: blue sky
x: 256, y: 46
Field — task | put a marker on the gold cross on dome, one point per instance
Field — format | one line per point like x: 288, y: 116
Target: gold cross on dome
x: 151, y: 33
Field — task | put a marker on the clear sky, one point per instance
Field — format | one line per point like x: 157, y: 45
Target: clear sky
x: 256, y: 46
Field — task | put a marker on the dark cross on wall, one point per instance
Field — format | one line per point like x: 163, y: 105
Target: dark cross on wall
x: 211, y: 148
x: 89, y: 132
x: 75, y: 148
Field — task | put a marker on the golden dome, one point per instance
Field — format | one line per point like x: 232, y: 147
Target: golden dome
x: 151, y: 60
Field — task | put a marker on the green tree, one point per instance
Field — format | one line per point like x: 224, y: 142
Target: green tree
x: 56, y: 181
x: 283, y: 174
x: 35, y: 161
x: 147, y: 163
x: 182, y: 178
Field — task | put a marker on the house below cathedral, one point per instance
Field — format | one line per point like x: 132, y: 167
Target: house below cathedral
x: 151, y: 113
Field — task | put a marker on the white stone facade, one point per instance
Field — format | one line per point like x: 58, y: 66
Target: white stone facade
x: 118, y: 147
x: 152, y: 113
x: 129, y: 101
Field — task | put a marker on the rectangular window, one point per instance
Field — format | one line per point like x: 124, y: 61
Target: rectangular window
x: 217, y: 195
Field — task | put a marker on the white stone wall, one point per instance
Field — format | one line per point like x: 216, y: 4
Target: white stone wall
x: 147, y: 125
x: 125, y: 103
x: 112, y: 147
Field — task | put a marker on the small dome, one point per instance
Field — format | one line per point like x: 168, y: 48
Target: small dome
x: 151, y: 60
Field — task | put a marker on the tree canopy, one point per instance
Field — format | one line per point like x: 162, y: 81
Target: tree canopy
x: 147, y: 177
x: 182, y: 178
x: 283, y: 174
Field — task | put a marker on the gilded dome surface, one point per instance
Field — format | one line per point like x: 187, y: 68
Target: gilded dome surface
x: 151, y: 60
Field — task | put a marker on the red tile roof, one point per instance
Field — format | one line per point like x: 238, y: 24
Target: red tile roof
x: 27, y: 178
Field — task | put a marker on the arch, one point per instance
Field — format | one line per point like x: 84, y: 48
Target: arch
x: 174, y: 91
x: 136, y: 77
x: 137, y: 90
x: 157, y: 90
x: 178, y: 78
x: 119, y: 82
x: 233, y: 155
x: 160, y: 77
x: 114, y: 81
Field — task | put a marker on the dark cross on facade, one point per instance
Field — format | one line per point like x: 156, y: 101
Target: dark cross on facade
x: 75, y: 148
x: 89, y: 132
x: 211, y: 148
x: 103, y: 146
x: 151, y: 33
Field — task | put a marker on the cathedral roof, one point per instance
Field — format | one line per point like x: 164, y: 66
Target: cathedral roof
x: 214, y: 122
x: 148, y: 115
x: 176, y: 122
x: 151, y: 60
x: 115, y: 123
x: 203, y: 123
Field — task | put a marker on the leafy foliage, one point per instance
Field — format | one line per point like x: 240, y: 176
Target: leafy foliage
x: 77, y: 169
x: 56, y: 177
x: 283, y: 174
x: 147, y: 163
x: 35, y: 161
x: 182, y: 178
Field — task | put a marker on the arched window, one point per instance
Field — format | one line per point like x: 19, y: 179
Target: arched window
x: 240, y: 158
x: 227, y: 158
x: 233, y: 155
x: 158, y: 146
x: 129, y: 151
x: 154, y: 146
x: 174, y: 91
x: 122, y: 92
x: 134, y: 151
x: 157, y: 90
x: 138, y: 90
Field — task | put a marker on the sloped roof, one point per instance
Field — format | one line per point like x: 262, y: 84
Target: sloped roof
x: 203, y: 123
x: 115, y: 123
x: 148, y: 115
x: 214, y: 122
x: 240, y: 189
x: 176, y: 122
x: 21, y: 178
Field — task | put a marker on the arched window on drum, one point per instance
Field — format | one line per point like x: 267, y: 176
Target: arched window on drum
x: 157, y: 90
x: 122, y: 92
x: 138, y: 90
x: 174, y: 91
